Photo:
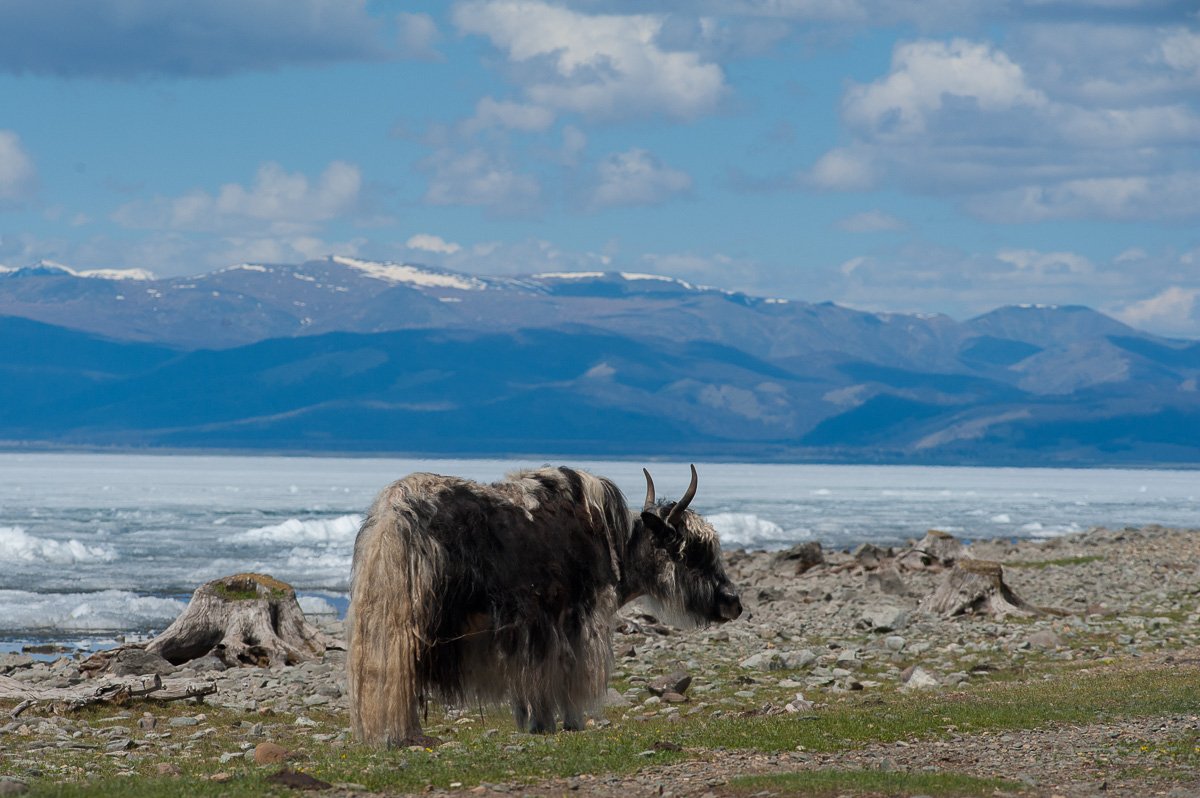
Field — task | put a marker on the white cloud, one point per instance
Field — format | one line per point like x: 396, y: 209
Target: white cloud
x: 529, y: 256
x: 17, y: 172
x: 1153, y: 198
x: 843, y: 170
x: 871, y: 222
x: 477, y: 177
x: 527, y: 118
x: 1181, y: 51
x: 925, y: 73
x: 418, y: 36
x: 963, y: 118
x: 603, y: 65
x: 636, y: 177
x: 432, y: 243
x: 287, y: 202
x: 1043, y: 264
x: 1173, y: 311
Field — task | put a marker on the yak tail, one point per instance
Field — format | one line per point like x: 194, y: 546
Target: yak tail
x: 394, y: 562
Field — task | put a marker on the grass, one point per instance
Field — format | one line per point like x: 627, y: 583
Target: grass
x: 822, y: 783
x: 482, y: 749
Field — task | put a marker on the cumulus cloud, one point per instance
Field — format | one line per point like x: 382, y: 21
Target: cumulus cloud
x: 17, y: 172
x: 601, y: 65
x: 432, y: 243
x: 1173, y: 311
x: 492, y: 113
x: 131, y: 38
x: 285, y: 201
x: 964, y: 118
x: 843, y: 169
x: 418, y: 36
x: 1153, y: 198
x: 479, y: 177
x: 925, y: 73
x: 871, y: 222
x: 636, y: 177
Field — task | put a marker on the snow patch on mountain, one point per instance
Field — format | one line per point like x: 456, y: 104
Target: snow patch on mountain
x: 397, y: 273
x: 44, y: 266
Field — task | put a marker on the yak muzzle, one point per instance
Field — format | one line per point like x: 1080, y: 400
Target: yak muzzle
x: 729, y: 605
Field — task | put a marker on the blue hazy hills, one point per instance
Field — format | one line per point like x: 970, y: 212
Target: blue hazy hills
x: 343, y: 355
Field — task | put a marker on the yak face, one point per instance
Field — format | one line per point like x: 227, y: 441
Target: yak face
x: 689, y: 584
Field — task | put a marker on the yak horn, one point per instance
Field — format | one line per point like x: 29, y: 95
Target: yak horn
x: 646, y: 505
x: 681, y: 505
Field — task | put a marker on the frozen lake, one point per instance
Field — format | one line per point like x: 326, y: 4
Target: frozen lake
x: 91, y: 544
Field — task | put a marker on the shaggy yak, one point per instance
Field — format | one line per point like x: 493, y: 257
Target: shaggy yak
x: 508, y: 590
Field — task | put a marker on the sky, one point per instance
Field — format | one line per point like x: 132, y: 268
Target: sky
x: 933, y: 156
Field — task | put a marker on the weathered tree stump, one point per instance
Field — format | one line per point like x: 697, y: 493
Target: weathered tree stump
x: 244, y: 619
x: 937, y: 550
x: 976, y: 587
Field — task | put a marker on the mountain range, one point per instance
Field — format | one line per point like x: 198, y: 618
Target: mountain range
x: 347, y: 355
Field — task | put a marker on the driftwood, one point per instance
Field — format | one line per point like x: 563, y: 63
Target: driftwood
x: 70, y: 699
x: 244, y: 619
x: 976, y: 587
x: 937, y: 550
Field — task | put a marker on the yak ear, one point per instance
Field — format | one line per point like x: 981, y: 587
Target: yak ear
x: 665, y: 535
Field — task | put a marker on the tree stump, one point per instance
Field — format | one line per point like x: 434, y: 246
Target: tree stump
x: 937, y: 550
x: 976, y: 587
x: 244, y: 619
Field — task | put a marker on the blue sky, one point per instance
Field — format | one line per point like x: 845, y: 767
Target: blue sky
x: 941, y: 156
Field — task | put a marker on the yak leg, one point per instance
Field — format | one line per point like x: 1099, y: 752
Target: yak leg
x: 543, y: 717
x: 520, y: 710
x: 572, y: 718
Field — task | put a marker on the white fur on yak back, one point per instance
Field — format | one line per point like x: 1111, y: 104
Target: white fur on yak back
x: 505, y: 591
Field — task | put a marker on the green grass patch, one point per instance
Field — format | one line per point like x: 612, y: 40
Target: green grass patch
x: 1069, y: 697
x: 483, y: 748
x: 820, y: 783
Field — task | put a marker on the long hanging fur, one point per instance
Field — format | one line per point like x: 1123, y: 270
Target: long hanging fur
x: 395, y: 570
x: 505, y: 591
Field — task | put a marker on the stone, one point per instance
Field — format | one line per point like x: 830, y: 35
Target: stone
x: 805, y: 555
x: 1044, y: 639
x: 184, y: 720
x: 919, y: 679
x: 884, y: 617
x: 894, y: 643
x: 11, y: 662
x: 138, y: 662
x: 763, y: 661
x: 677, y: 682
x: 796, y: 660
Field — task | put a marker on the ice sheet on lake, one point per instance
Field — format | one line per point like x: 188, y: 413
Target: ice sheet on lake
x: 294, y: 530
x: 17, y: 545
x: 742, y: 530
x: 106, y: 610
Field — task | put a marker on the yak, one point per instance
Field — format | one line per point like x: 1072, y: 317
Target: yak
x: 473, y: 592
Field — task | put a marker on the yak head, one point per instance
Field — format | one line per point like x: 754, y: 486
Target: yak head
x: 679, y: 557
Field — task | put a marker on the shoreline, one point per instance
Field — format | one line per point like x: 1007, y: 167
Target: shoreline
x: 842, y: 636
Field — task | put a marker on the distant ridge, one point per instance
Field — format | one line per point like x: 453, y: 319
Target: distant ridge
x: 343, y: 354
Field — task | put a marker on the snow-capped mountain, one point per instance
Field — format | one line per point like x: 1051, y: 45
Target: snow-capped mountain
x: 328, y: 353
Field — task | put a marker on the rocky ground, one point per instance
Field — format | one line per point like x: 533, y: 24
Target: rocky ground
x: 853, y: 622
